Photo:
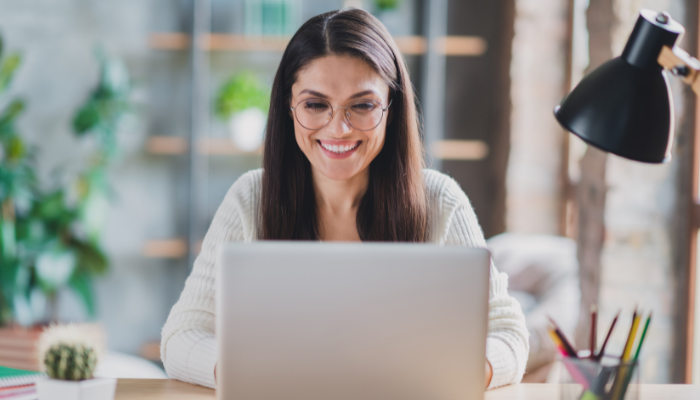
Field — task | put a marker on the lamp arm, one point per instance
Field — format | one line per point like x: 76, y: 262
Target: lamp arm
x: 681, y: 64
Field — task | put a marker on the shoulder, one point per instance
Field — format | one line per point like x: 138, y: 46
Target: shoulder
x: 242, y: 201
x: 450, y: 214
x: 247, y: 184
x: 443, y: 191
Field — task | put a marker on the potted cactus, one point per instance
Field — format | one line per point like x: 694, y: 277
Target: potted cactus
x: 70, y: 357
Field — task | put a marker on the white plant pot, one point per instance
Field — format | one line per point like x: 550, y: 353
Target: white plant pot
x: 90, y: 389
x: 247, y: 129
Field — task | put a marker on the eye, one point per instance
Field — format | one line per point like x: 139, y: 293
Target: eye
x: 363, y: 107
x: 315, y: 106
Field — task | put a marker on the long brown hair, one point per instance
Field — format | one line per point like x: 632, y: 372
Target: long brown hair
x: 394, y: 205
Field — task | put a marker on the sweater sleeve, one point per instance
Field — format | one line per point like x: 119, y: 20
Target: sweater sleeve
x: 507, y: 343
x: 188, y: 346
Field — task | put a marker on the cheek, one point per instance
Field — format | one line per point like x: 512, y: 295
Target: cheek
x: 303, y: 137
x: 376, y: 139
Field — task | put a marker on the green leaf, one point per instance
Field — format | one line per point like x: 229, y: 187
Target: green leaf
x: 87, y: 118
x: 11, y: 112
x: 8, y: 277
x: 242, y: 91
x: 82, y: 285
x: 91, y: 259
x: 55, y: 267
x: 15, y: 149
x: 8, y: 239
x: 384, y: 5
x: 7, y: 70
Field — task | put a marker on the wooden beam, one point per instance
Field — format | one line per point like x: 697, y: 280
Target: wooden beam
x: 694, y: 203
x: 592, y: 188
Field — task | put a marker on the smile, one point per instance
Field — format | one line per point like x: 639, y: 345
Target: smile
x: 339, y: 149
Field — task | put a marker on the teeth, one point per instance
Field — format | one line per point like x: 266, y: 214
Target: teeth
x: 338, y: 149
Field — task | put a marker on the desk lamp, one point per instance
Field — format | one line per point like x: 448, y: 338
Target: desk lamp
x: 624, y: 107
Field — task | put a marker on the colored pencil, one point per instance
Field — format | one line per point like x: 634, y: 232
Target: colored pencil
x: 641, y: 339
x: 565, y: 342
x: 607, y: 337
x: 557, y: 343
x: 630, y: 338
x: 594, y: 328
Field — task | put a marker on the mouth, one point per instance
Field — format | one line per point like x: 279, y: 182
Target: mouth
x: 339, y: 148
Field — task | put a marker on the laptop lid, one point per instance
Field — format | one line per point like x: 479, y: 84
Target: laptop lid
x: 307, y: 321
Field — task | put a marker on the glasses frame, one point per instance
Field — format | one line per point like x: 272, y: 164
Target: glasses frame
x: 347, y: 114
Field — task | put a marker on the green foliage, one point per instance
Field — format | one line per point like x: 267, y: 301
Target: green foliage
x: 105, y: 106
x: 50, y: 240
x: 241, y: 91
x: 384, y: 5
x: 70, y: 362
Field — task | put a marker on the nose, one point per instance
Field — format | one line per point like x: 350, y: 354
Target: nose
x: 339, y: 125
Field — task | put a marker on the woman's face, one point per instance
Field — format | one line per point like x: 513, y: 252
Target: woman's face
x: 339, y: 150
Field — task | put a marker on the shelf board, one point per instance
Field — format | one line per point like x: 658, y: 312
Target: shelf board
x: 461, y: 150
x: 168, y: 248
x: 174, y: 145
x: 409, y: 45
x: 150, y: 351
x: 464, y: 150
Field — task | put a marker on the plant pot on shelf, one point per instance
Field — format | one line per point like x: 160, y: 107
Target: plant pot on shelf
x: 89, y: 389
x: 18, y: 347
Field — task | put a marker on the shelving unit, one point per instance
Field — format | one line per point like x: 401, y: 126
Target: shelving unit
x: 432, y: 48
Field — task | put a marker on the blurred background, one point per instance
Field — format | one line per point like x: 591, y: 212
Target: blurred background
x: 124, y: 123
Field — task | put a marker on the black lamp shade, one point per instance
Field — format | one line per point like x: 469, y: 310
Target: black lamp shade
x: 624, y: 107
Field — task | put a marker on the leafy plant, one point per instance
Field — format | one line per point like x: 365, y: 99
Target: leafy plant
x: 240, y: 92
x: 384, y: 5
x: 50, y: 240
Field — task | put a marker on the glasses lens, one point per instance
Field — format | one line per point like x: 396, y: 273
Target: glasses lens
x: 313, y: 113
x: 365, y: 114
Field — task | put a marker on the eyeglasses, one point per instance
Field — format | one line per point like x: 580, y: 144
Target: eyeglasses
x: 314, y: 114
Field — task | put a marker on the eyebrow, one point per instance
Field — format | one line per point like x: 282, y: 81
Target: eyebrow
x: 323, y: 96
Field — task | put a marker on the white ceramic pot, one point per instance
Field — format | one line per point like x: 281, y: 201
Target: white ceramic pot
x: 247, y: 129
x: 90, y: 389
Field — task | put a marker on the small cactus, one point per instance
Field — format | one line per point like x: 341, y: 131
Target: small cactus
x: 74, y: 362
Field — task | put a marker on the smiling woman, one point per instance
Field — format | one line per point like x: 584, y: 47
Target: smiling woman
x: 343, y: 161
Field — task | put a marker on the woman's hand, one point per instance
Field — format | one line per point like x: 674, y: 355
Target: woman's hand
x: 489, y: 373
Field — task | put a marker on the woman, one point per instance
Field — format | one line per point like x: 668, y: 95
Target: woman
x: 343, y: 161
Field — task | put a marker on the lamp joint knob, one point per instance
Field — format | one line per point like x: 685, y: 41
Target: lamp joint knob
x: 663, y: 17
x: 681, y: 70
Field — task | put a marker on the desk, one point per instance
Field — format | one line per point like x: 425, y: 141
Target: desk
x: 157, y: 389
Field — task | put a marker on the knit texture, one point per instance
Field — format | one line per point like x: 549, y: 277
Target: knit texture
x: 188, y: 345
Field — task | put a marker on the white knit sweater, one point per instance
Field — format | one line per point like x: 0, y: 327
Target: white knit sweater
x: 188, y: 345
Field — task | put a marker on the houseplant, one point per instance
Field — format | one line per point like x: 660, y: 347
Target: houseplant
x: 70, y: 354
x: 50, y: 236
x: 243, y: 102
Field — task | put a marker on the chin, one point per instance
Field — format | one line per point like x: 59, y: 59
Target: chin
x: 339, y: 173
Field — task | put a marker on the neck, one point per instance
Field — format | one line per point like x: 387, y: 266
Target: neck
x: 340, y: 197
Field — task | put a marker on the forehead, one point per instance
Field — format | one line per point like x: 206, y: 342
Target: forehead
x: 339, y: 76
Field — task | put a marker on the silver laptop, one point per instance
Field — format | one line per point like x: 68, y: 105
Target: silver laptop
x: 319, y: 321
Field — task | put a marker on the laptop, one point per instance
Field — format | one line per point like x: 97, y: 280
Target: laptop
x: 321, y: 321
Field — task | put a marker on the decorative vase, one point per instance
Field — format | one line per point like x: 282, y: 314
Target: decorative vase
x: 90, y: 389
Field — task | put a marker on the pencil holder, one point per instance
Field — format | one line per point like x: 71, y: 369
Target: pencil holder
x: 606, y: 379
